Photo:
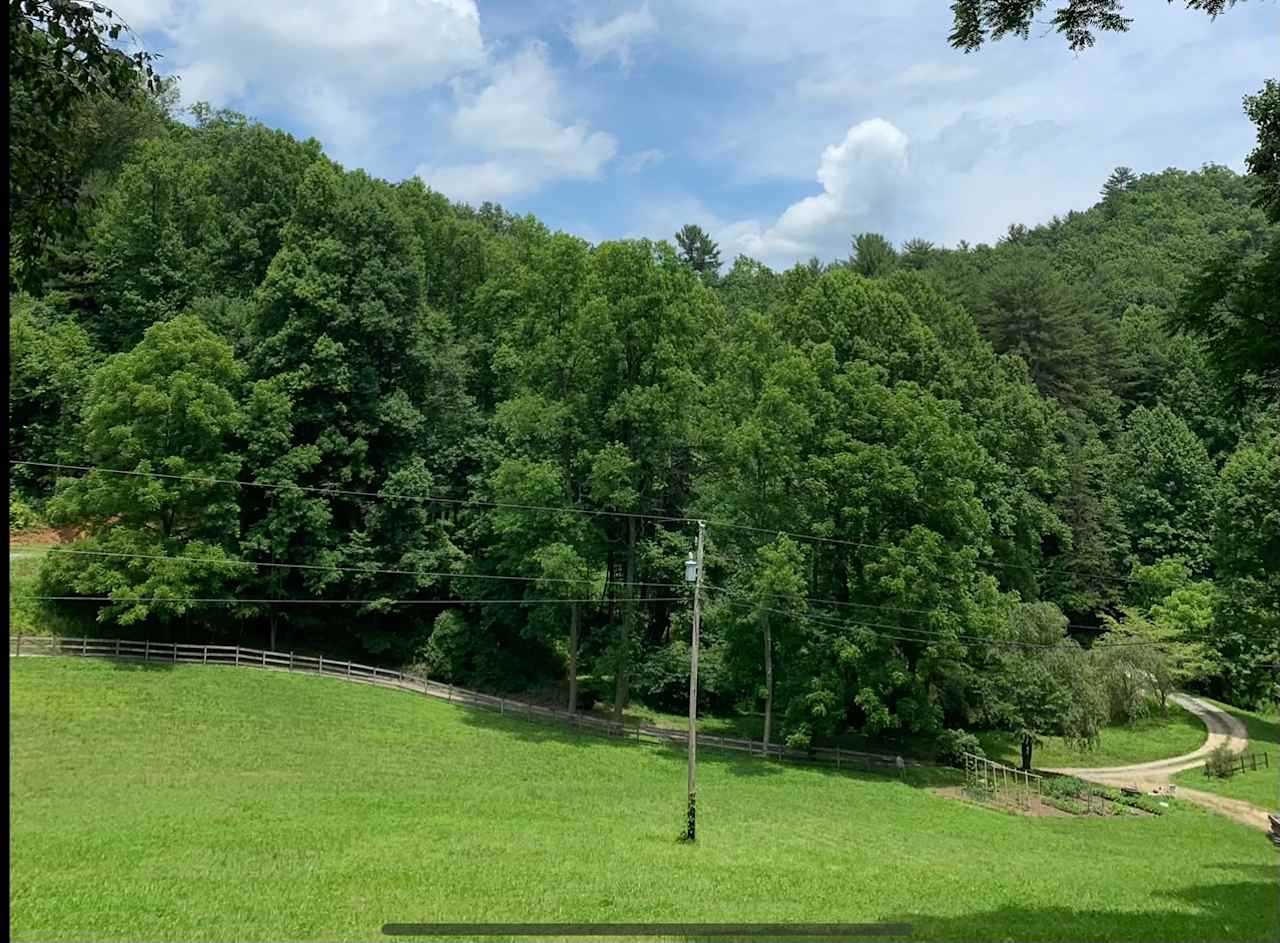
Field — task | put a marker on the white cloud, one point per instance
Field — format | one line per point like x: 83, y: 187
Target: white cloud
x: 331, y: 64
x: 596, y: 41
x: 514, y: 121
x: 641, y: 161
x: 346, y: 127
x: 143, y: 14
x: 859, y: 176
x: 377, y: 45
x: 929, y: 74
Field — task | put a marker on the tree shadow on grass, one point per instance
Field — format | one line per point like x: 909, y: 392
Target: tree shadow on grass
x: 136, y: 664
x: 1270, y: 872
x: 1246, y: 911
x: 546, y: 730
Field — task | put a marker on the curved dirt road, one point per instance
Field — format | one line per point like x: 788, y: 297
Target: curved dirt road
x: 1223, y: 728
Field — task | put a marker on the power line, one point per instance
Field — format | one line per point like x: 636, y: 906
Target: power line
x: 348, y: 492
x: 470, y: 502
x: 354, y: 569
x: 930, y: 635
x: 868, y: 605
x: 871, y: 546
x: 333, y: 602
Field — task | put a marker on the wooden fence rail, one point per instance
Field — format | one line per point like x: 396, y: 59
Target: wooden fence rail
x: 162, y: 653
x: 1245, y: 761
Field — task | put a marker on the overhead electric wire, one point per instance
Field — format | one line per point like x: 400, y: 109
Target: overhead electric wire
x: 872, y: 546
x: 355, y: 569
x: 348, y: 492
x: 501, y: 505
x: 869, y: 605
x: 928, y: 635
x: 333, y: 602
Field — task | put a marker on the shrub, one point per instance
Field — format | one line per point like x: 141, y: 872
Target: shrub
x: 800, y: 740
x: 447, y: 653
x: 1221, y: 762
x: 22, y: 516
x: 952, y: 745
x: 661, y: 680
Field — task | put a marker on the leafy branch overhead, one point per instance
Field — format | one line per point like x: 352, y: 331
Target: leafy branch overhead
x: 978, y: 21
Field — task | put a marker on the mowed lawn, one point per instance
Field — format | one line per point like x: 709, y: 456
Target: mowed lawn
x: 1155, y: 737
x: 1262, y: 786
x: 195, y: 802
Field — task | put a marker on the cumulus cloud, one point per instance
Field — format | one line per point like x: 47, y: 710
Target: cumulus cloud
x: 384, y: 45
x: 514, y: 122
x: 335, y: 117
x: 599, y: 40
x: 859, y: 176
x: 332, y: 62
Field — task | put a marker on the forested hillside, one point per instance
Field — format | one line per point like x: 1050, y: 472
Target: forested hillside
x: 943, y: 487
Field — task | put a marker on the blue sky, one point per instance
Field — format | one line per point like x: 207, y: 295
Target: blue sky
x: 781, y: 127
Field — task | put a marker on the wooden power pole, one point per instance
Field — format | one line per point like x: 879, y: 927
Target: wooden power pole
x: 691, y: 830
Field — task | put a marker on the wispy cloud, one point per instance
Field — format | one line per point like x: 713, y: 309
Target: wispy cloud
x: 514, y: 124
x: 596, y: 40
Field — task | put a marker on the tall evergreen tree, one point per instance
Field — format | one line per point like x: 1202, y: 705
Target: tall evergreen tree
x: 872, y: 255
x: 699, y: 251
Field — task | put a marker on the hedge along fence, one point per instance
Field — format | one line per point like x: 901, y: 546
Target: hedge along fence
x: 238, y: 656
x: 1229, y: 765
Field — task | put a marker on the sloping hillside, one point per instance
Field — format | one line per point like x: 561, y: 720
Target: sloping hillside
x: 211, y: 803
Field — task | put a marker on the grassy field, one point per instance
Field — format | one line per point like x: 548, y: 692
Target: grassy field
x: 1153, y: 738
x: 1261, y: 787
x: 217, y: 803
x: 24, y: 564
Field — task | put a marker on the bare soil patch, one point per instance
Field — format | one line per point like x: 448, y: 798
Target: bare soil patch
x: 46, y: 537
x: 1035, y: 810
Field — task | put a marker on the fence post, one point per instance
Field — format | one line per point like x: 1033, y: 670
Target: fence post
x: 348, y: 669
x: 291, y: 661
x: 117, y: 647
x: 204, y: 656
x: 502, y: 709
x: 146, y: 649
x: 320, y: 670
x: 84, y: 646
x: 175, y: 653
x: 264, y: 658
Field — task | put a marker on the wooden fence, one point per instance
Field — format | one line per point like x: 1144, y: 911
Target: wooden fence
x: 180, y: 653
x: 1243, y: 761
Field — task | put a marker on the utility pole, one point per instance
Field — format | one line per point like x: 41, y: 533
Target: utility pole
x: 693, y: 574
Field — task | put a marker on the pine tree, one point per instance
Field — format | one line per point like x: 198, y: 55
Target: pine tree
x: 1121, y: 180
x: 699, y: 251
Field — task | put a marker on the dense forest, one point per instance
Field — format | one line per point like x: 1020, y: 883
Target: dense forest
x: 944, y: 487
